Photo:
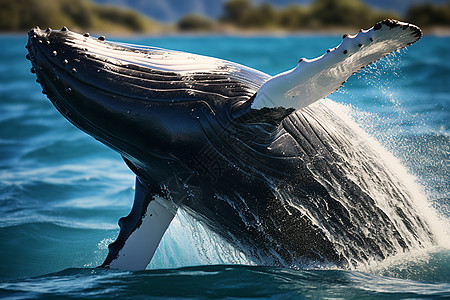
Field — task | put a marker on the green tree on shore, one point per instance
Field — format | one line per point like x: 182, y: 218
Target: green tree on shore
x: 320, y: 14
x: 195, y: 22
x: 21, y: 15
x: 428, y: 15
x: 81, y: 15
x: 346, y: 13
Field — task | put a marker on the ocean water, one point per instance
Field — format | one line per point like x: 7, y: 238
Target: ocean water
x: 62, y: 192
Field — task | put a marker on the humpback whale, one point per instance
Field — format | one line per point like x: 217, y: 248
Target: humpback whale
x: 256, y: 158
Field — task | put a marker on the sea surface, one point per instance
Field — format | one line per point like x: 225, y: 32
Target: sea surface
x: 62, y: 192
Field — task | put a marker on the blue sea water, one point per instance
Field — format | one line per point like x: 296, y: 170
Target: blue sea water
x: 62, y: 192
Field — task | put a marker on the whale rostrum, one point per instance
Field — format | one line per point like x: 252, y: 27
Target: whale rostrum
x: 251, y: 156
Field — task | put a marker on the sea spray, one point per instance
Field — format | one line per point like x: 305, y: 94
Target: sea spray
x: 438, y: 224
x: 188, y: 242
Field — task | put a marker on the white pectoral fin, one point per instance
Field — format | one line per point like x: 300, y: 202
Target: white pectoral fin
x: 141, y: 245
x: 314, y: 79
x: 141, y: 231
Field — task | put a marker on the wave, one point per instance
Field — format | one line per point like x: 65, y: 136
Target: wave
x: 218, y: 282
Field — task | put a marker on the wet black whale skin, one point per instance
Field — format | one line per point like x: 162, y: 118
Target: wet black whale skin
x: 248, y: 174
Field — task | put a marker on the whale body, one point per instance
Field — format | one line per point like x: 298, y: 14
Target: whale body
x: 257, y: 159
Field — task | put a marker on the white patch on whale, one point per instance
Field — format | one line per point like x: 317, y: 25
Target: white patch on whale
x: 142, y: 243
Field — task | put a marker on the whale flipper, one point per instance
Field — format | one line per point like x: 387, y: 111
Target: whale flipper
x: 315, y: 79
x: 140, y: 231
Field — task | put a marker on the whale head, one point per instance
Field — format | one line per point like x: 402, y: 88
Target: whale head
x: 146, y: 103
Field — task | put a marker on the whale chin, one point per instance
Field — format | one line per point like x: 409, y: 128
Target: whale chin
x: 258, y: 159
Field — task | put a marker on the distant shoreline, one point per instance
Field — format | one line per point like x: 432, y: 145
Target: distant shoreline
x: 435, y: 31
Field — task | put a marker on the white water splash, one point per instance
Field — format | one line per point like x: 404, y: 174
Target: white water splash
x: 439, y: 225
x: 187, y: 242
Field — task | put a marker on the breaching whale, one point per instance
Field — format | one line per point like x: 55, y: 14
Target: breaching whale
x: 255, y: 158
